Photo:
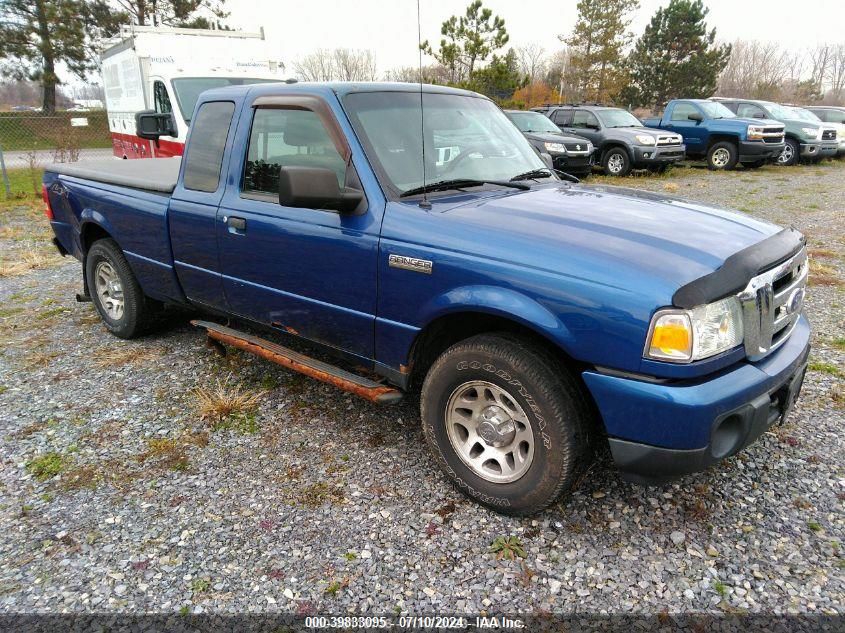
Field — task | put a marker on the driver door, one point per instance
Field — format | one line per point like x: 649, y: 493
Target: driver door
x: 310, y: 272
x: 585, y: 123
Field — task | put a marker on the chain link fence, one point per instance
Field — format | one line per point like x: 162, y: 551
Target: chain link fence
x: 31, y: 140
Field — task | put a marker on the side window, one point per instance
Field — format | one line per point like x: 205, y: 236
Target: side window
x: 562, y: 117
x: 204, y: 156
x: 161, y: 99
x: 834, y: 116
x: 681, y: 111
x: 750, y: 111
x: 733, y: 107
x: 285, y: 138
x: 583, y: 119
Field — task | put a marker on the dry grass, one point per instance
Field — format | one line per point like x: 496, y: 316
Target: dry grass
x: 110, y: 357
x: 225, y: 399
x: 823, y: 274
x: 24, y: 260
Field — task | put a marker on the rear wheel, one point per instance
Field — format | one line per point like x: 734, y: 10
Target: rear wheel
x: 722, y: 155
x: 505, y: 422
x: 790, y: 153
x: 616, y: 162
x: 115, y: 291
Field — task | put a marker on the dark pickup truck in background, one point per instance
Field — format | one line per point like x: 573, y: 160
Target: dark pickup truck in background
x: 622, y: 142
x: 712, y: 132
x: 536, y: 318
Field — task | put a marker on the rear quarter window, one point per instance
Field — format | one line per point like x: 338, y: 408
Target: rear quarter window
x: 204, y: 157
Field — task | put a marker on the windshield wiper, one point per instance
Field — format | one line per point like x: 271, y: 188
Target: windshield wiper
x: 458, y: 183
x: 534, y: 173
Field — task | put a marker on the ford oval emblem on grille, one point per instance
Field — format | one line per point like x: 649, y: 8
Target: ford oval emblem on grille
x: 796, y: 301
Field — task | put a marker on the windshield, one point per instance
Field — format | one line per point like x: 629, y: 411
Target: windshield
x: 714, y: 110
x: 804, y: 115
x: 532, y: 122
x: 465, y: 138
x: 618, y: 118
x: 778, y: 111
x: 188, y: 89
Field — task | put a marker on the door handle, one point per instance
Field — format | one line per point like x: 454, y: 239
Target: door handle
x: 236, y: 225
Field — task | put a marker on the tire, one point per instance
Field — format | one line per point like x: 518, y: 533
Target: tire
x: 616, y: 162
x: 790, y: 154
x: 754, y: 165
x: 539, y: 402
x: 110, y: 279
x: 722, y: 155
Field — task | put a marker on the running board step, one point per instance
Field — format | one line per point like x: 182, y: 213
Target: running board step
x: 353, y: 383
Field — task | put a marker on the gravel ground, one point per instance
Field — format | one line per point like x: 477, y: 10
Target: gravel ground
x: 118, y: 496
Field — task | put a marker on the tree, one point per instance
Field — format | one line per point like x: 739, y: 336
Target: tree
x: 343, y: 64
x: 37, y: 35
x: 759, y: 70
x: 499, y: 79
x: 596, y: 45
x: 467, y: 40
x: 532, y: 61
x: 676, y: 57
x: 535, y: 94
x: 179, y: 13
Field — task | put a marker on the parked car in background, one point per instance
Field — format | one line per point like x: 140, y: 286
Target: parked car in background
x: 538, y: 318
x: 711, y: 131
x: 571, y: 154
x: 829, y: 114
x: 805, y: 140
x: 622, y: 142
x: 805, y: 114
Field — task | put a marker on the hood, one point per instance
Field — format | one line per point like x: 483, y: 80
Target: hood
x: 608, y: 234
x: 754, y: 121
x: 554, y: 137
x: 650, y: 131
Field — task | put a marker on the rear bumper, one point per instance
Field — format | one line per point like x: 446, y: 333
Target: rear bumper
x: 659, y: 155
x: 659, y: 431
x: 758, y: 150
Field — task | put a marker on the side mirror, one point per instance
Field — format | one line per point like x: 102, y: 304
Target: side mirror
x: 150, y: 124
x: 591, y: 126
x: 759, y: 115
x: 316, y: 188
x: 695, y: 116
x: 547, y: 159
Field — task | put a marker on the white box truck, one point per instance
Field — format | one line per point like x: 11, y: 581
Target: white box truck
x: 165, y: 69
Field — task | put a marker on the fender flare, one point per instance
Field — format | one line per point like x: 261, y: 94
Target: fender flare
x: 501, y: 302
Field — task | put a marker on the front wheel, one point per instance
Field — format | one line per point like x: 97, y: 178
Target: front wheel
x: 616, y: 162
x: 114, y: 290
x: 505, y: 422
x: 790, y: 153
x: 722, y: 155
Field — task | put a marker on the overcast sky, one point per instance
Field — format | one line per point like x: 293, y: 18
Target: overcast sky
x: 389, y: 27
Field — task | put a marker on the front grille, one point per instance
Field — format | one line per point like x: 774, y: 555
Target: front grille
x: 773, y: 134
x: 771, y: 305
x: 668, y: 140
x: 829, y: 135
x: 773, y: 139
x: 671, y: 153
x: 577, y: 148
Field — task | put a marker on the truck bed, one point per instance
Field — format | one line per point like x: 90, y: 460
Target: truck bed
x: 149, y: 174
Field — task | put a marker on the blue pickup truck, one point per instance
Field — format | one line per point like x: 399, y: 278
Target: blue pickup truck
x: 538, y: 319
x: 711, y: 131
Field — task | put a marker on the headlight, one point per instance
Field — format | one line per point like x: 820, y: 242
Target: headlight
x: 558, y: 148
x: 812, y: 132
x: 645, y: 139
x: 755, y: 133
x: 682, y: 336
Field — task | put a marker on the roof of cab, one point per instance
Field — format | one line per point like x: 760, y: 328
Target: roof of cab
x: 340, y: 88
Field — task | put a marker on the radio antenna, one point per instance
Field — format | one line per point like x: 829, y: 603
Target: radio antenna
x: 424, y: 203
